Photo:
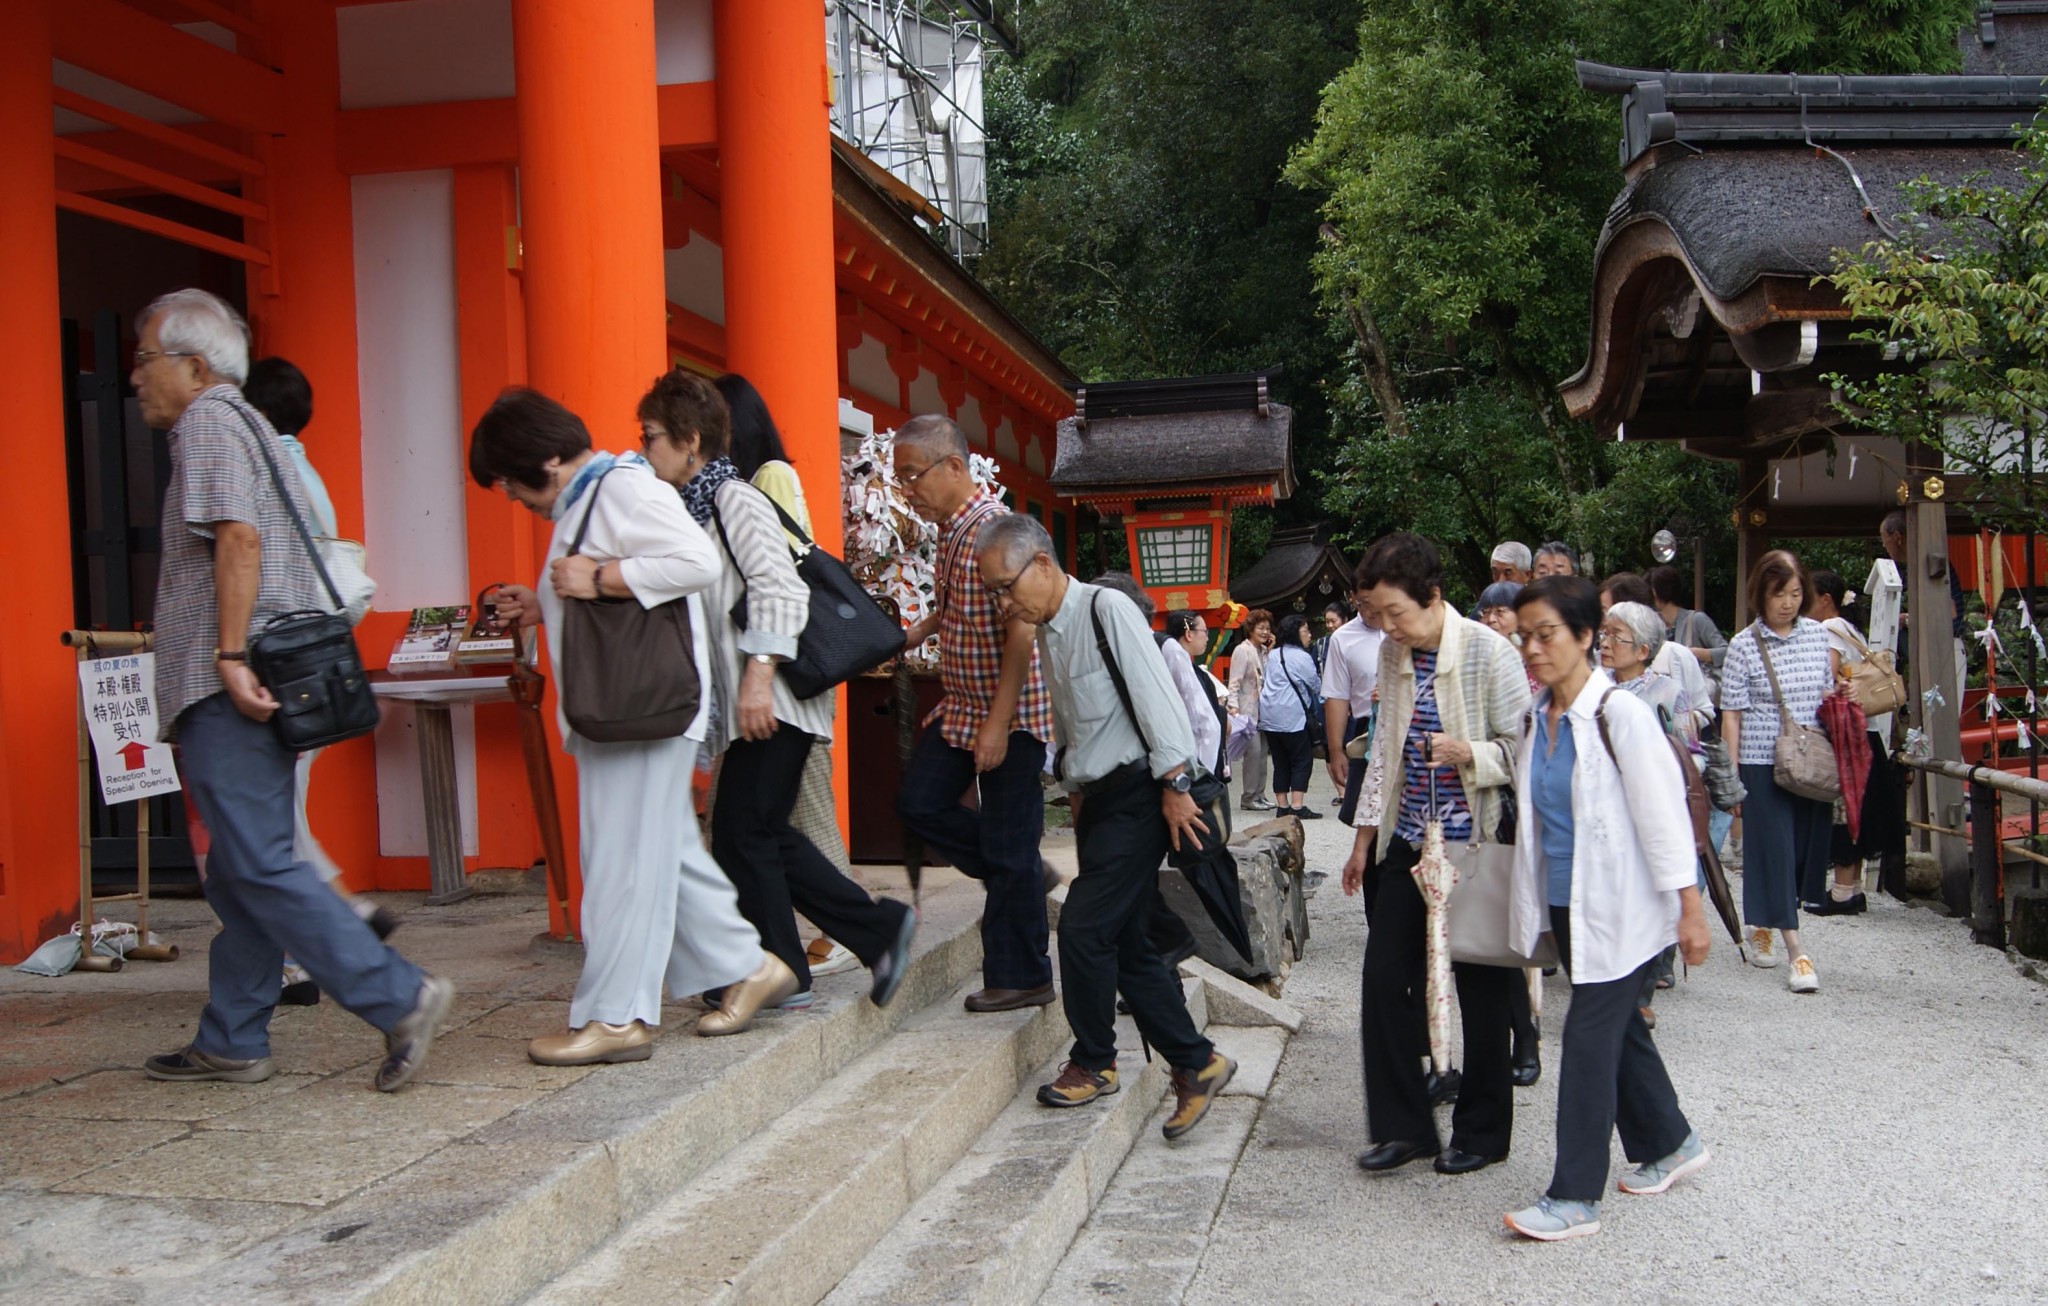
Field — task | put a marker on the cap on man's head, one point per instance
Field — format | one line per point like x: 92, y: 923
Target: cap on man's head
x: 1513, y: 553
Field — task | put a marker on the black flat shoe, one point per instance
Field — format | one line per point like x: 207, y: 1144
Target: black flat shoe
x: 1855, y: 906
x: 1527, y: 1072
x: 1308, y: 814
x: 299, y: 993
x: 1453, y: 1161
x: 1443, y: 1089
x: 1392, y: 1156
x: 382, y: 923
x: 889, y: 969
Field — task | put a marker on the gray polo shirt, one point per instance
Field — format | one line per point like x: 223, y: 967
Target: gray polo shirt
x: 1090, y: 720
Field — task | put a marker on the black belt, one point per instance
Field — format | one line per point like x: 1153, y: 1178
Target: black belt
x: 1117, y: 779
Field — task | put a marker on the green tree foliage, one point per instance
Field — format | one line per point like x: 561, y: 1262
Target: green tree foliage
x: 1959, y: 297
x: 1467, y: 177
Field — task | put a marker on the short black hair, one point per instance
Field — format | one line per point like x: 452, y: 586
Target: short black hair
x: 1626, y: 587
x: 1557, y: 549
x: 1338, y: 607
x: 518, y: 433
x: 1822, y: 581
x: 754, y: 438
x: 281, y: 392
x: 1573, y: 598
x: 1667, y: 584
x: 1178, y: 624
x: 1290, y: 628
x: 1406, y: 561
x: 682, y: 403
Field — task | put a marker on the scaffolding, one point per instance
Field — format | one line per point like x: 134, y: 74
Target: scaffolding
x: 907, y: 92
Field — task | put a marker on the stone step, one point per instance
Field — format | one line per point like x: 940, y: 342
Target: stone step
x: 509, y: 1207
x: 784, y: 1215
x: 996, y: 1226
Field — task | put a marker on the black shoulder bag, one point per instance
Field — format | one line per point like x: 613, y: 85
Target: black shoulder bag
x: 628, y: 673
x: 1208, y: 790
x: 847, y: 633
x: 308, y: 660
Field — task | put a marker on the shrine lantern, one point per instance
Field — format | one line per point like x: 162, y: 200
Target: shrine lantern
x: 1171, y: 459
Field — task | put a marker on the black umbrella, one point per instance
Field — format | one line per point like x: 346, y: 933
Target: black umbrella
x: 1211, y: 871
x: 1724, y: 900
x: 906, y: 743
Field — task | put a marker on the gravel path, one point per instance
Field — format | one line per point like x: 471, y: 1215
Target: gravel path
x: 1884, y: 1140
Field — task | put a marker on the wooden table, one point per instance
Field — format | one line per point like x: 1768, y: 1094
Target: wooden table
x: 433, y: 692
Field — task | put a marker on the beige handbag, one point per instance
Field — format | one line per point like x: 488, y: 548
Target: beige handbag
x: 1481, y: 905
x: 1802, y: 761
x: 1874, y: 682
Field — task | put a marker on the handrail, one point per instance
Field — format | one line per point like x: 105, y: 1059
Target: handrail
x: 2018, y: 786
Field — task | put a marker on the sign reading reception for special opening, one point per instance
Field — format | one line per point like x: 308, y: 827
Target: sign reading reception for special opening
x: 119, y: 697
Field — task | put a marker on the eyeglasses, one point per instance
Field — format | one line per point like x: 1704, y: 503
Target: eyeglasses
x: 1616, y: 637
x: 1546, y: 632
x: 1003, y: 591
x: 907, y: 481
x: 142, y: 356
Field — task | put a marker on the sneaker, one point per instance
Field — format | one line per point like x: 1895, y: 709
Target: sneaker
x: 1077, y: 1085
x: 829, y: 958
x: 1552, y: 1220
x: 1801, y: 979
x: 1761, y: 954
x: 1307, y: 814
x: 405, y: 1047
x: 1194, y: 1091
x: 191, y: 1066
x: 1653, y: 1177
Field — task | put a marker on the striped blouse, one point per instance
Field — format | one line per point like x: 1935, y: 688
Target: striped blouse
x: 758, y: 569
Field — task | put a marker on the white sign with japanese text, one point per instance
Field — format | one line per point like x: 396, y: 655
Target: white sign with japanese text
x: 119, y: 696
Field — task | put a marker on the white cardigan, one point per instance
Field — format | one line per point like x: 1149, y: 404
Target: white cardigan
x: 1632, y: 847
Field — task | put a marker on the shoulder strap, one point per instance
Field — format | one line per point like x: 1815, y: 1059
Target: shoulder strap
x: 597, y: 487
x: 1116, y: 674
x: 1600, y: 718
x: 284, y: 495
x: 1300, y: 695
x: 1771, y: 674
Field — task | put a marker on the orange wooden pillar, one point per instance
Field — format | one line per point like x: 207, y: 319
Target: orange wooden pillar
x: 38, y: 680
x: 590, y: 210
x: 303, y: 309
x: 781, y: 308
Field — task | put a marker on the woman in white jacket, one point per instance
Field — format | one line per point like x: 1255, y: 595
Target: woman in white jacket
x: 655, y: 906
x: 1604, y: 859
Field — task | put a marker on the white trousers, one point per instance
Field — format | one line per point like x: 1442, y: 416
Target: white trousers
x: 655, y: 905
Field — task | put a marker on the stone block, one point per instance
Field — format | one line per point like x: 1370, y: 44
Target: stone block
x: 1923, y: 875
x: 1231, y: 1001
x: 1269, y: 875
x: 2030, y: 922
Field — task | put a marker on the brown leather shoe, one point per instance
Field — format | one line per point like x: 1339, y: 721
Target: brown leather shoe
x: 770, y: 983
x: 594, y: 1043
x: 1009, y: 999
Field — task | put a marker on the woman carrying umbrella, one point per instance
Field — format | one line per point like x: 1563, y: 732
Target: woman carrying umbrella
x: 1604, y: 859
x: 1880, y: 826
x: 1456, y: 690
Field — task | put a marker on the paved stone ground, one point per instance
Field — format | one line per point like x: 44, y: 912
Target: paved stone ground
x: 1884, y: 1140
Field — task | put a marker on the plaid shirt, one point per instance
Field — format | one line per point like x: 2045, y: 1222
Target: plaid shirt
x: 971, y: 636
x: 217, y: 476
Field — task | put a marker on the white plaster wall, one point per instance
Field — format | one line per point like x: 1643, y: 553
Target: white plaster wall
x: 409, y: 381
x: 425, y: 52
x: 1006, y: 443
x: 867, y: 368
x: 682, y: 42
x: 972, y: 424
x: 924, y: 393
x: 694, y: 276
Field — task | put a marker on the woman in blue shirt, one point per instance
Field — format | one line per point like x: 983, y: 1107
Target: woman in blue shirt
x: 1292, y: 686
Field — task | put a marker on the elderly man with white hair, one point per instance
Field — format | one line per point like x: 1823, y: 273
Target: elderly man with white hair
x: 232, y: 560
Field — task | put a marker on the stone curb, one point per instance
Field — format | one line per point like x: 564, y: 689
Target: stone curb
x: 522, y: 1201
x: 1234, y: 1002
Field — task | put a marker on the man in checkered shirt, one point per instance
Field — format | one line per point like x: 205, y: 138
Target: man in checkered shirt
x: 991, y: 731
x: 232, y: 560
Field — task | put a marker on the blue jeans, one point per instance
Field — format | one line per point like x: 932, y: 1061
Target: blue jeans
x: 997, y: 845
x: 270, y: 903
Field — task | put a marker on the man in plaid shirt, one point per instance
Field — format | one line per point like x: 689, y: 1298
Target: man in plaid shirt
x: 232, y: 560
x: 992, y: 727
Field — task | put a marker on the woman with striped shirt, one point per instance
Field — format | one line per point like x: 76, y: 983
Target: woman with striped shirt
x: 766, y: 731
x: 1785, y: 837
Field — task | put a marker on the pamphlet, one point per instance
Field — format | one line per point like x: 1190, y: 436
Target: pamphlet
x: 430, y: 639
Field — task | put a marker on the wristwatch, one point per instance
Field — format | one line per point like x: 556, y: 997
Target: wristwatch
x: 231, y: 655
x: 1180, y: 783
x: 767, y: 659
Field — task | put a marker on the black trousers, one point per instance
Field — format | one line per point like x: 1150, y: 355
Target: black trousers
x: 776, y: 870
x: 1354, y: 774
x: 1294, y: 756
x: 1393, y: 1027
x: 1121, y: 840
x: 1612, y: 1078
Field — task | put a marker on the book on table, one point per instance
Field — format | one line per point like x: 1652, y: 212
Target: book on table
x: 430, y: 639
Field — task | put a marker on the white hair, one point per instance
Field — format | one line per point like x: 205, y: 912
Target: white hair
x: 1513, y: 552
x: 1014, y: 540
x: 1643, y: 623
x: 203, y: 325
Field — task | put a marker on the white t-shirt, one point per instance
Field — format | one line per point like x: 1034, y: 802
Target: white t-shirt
x: 1351, y: 667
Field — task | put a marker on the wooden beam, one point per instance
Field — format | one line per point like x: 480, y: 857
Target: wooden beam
x: 151, y: 56
x: 157, y: 226
x: 185, y: 140
x: 69, y: 148
x: 462, y: 133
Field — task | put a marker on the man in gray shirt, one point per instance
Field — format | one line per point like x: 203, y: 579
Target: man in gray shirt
x: 1130, y: 795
